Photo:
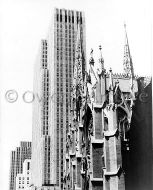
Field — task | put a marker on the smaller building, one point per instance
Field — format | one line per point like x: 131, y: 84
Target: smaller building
x: 18, y: 156
x: 23, y: 179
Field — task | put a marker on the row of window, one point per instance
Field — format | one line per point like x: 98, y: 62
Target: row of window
x: 68, y: 25
x: 23, y: 182
x: 67, y: 18
x: 64, y: 33
x: 61, y: 31
x: 66, y: 42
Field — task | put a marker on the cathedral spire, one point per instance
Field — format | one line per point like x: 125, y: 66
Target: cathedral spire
x: 79, y: 70
x: 127, y: 64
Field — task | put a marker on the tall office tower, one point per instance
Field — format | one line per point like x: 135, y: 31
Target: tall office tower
x: 65, y: 28
x: 17, y: 158
x: 41, y: 165
x: 53, y: 75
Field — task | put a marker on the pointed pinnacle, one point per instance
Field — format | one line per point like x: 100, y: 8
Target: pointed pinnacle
x: 91, y: 52
x: 110, y: 79
x: 91, y: 61
x: 101, y: 60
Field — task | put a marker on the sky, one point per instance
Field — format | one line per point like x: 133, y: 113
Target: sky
x: 25, y: 22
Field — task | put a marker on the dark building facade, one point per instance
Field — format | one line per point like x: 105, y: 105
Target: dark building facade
x: 140, y: 136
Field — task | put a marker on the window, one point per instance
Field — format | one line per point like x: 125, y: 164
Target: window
x: 60, y: 17
x: 65, y: 17
x: 57, y: 17
x: 72, y: 19
x: 69, y: 18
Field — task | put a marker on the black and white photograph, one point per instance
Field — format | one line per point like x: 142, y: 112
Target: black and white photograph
x: 76, y: 95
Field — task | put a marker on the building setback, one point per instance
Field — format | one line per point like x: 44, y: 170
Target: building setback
x: 17, y: 158
x: 53, y: 85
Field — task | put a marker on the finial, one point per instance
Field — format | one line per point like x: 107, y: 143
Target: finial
x: 91, y: 52
x: 110, y: 70
x: 100, y: 48
x: 110, y: 79
x: 117, y: 82
x: 91, y: 61
x: 101, y: 60
x: 125, y: 28
x: 124, y: 25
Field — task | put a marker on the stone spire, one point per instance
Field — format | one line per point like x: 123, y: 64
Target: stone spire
x: 78, y: 86
x: 127, y: 64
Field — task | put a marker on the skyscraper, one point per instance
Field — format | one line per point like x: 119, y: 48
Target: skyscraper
x: 17, y: 158
x: 53, y: 85
x: 41, y: 131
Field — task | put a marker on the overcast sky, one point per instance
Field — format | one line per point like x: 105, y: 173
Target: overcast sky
x: 25, y: 22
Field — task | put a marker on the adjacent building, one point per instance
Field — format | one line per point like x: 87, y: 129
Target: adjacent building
x: 18, y: 156
x: 140, y: 136
x: 23, y: 179
x: 53, y: 85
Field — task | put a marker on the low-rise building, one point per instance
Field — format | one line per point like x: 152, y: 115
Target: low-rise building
x: 23, y: 179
